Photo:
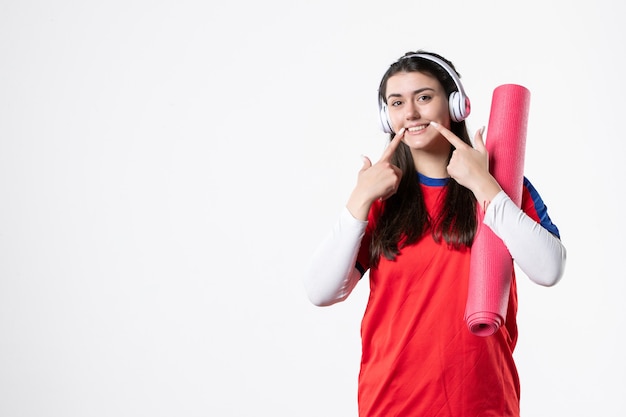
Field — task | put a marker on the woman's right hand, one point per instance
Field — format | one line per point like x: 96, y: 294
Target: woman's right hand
x: 375, y: 181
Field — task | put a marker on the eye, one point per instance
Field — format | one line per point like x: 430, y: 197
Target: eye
x: 395, y: 103
x: 424, y: 97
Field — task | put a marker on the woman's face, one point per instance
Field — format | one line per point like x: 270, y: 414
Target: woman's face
x: 414, y: 99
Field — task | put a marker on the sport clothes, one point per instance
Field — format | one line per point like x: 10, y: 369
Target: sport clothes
x: 534, y: 245
x: 418, y: 357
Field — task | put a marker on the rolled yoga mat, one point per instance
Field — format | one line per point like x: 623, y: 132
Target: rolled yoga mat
x: 491, y: 265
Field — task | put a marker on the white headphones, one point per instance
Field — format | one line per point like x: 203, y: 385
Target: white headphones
x: 459, y: 102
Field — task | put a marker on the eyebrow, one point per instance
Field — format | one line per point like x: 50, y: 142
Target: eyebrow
x: 419, y: 90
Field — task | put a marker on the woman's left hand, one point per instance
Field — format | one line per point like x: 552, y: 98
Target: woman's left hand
x: 469, y: 166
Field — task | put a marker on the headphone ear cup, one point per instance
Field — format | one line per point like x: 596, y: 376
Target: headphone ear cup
x: 455, y: 109
x: 385, y: 123
x: 459, y: 106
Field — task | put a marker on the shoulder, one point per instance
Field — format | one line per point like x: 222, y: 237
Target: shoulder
x: 534, y: 206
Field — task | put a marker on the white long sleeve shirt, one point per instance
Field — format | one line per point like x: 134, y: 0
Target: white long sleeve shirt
x: 332, y: 274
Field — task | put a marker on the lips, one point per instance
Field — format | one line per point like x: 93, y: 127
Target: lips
x: 417, y: 128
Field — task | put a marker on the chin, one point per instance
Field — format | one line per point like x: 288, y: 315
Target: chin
x: 417, y: 142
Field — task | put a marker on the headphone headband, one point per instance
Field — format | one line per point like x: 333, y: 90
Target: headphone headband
x: 459, y: 103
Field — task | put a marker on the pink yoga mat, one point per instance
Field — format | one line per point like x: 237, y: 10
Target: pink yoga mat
x: 491, y: 265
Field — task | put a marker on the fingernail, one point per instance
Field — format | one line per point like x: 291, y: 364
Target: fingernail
x: 435, y: 124
x: 482, y: 130
x: 401, y: 131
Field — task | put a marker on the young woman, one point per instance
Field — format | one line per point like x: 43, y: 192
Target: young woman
x: 410, y: 221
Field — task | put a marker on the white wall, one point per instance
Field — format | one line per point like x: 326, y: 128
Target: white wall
x: 167, y: 167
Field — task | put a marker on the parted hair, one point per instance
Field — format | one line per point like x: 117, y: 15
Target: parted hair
x: 404, y: 217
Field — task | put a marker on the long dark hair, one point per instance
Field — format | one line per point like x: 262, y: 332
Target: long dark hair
x: 404, y: 217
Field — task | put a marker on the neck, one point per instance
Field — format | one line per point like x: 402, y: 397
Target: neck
x: 433, y: 165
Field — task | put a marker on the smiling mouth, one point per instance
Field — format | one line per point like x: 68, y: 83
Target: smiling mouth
x: 417, y: 128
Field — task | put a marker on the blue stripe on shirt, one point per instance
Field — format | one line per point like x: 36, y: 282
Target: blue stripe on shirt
x: 542, y: 209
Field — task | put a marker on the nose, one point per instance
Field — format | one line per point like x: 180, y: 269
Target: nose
x: 411, y: 111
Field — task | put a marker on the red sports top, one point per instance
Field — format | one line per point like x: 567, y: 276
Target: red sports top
x: 418, y: 357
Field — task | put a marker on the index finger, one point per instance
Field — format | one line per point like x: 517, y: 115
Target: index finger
x: 393, y: 145
x: 446, y: 133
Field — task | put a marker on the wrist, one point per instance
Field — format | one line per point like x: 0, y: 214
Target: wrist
x: 359, y: 206
x: 486, y: 191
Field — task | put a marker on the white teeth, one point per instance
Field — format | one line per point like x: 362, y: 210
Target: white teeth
x: 417, y: 128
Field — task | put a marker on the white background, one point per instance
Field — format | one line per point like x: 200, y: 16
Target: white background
x: 167, y: 167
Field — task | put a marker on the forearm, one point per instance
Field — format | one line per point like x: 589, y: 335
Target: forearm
x: 331, y: 275
x: 539, y: 254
